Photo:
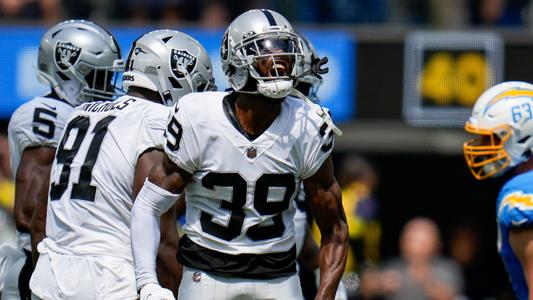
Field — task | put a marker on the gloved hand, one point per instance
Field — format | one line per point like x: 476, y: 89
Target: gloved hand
x: 153, y: 291
x: 316, y: 66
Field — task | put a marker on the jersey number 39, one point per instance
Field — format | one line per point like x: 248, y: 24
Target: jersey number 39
x: 261, y: 205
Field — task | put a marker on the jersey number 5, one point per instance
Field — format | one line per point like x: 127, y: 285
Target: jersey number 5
x: 83, y: 190
x: 261, y: 204
x: 39, y: 120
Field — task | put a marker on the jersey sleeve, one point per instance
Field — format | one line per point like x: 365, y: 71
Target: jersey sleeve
x: 318, y: 148
x: 181, y: 145
x: 515, y: 209
x: 37, y: 125
x: 153, y: 129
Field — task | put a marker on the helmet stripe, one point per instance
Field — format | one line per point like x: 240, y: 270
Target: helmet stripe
x: 270, y: 17
x: 513, y: 93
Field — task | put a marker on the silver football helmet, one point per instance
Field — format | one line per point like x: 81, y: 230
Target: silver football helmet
x: 261, y: 44
x: 310, y: 83
x: 79, y: 60
x: 170, y: 63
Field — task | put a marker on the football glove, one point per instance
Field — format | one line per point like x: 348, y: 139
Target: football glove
x: 316, y: 66
x: 153, y: 291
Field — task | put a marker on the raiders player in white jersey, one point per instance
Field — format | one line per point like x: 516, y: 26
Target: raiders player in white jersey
x: 67, y: 64
x: 103, y: 158
x: 240, y: 157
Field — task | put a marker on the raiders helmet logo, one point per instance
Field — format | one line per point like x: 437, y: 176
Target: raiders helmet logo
x: 181, y: 60
x: 66, y: 54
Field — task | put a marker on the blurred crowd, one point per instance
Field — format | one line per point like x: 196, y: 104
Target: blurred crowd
x: 217, y: 13
x: 7, y: 191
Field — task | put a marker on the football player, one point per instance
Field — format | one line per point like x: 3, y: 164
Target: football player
x: 77, y: 59
x: 241, y: 156
x: 502, y: 119
x: 103, y: 158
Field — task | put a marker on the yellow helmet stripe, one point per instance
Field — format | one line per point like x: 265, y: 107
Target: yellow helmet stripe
x: 513, y: 93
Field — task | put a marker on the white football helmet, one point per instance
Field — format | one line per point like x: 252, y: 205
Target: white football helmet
x: 257, y: 42
x: 310, y: 83
x: 79, y: 60
x: 503, y: 119
x: 170, y: 63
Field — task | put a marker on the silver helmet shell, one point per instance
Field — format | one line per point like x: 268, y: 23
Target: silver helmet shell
x: 170, y: 63
x: 258, y: 35
x: 79, y: 60
x: 310, y: 83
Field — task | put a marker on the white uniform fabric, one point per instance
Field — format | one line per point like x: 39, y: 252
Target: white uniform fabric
x: 300, y: 221
x: 69, y: 277
x: 255, y: 181
x: 36, y: 123
x: 104, y: 141
x: 10, y: 257
x: 199, y: 285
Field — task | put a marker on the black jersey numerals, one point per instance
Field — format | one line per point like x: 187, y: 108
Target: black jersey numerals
x: 82, y: 190
x: 328, y: 144
x: 175, y: 131
x: 42, y: 123
x: 238, y: 200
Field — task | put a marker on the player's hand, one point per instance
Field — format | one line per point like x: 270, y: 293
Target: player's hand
x: 154, y: 291
x: 317, y: 66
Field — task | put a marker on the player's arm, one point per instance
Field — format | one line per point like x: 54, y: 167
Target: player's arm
x: 31, y: 190
x: 158, y: 194
x: 325, y: 202
x: 168, y: 269
x: 521, y: 241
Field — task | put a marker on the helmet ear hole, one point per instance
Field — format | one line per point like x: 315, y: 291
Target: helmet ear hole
x: 62, y: 76
x: 175, y: 84
x: 524, y: 140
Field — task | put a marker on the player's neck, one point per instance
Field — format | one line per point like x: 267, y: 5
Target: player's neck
x: 524, y: 167
x: 255, y: 113
x: 144, y: 94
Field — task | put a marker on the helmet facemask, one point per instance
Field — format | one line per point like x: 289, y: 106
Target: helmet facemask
x: 100, y: 83
x: 273, y: 59
x: 486, y: 155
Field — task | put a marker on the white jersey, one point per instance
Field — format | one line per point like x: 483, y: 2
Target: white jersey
x: 37, y: 123
x: 300, y: 220
x: 92, y: 176
x: 240, y: 198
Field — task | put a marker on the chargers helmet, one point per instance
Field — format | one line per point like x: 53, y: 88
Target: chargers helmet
x: 79, y: 59
x: 502, y: 117
x: 170, y: 63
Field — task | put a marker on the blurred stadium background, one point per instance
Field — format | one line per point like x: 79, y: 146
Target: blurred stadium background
x: 403, y: 77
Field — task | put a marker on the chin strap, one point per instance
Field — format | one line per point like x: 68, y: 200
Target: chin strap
x: 320, y: 111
